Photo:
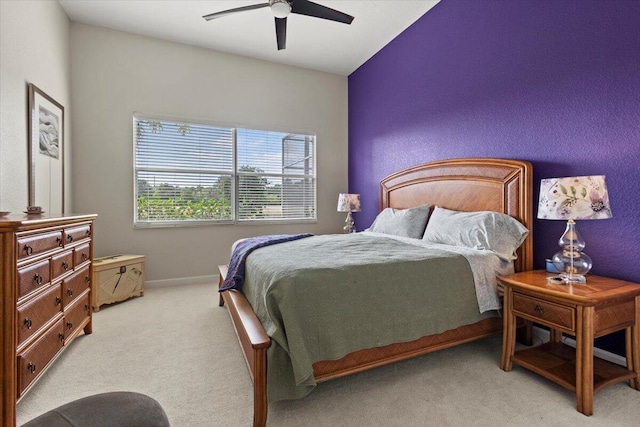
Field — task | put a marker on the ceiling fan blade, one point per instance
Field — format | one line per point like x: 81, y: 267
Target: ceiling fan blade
x: 281, y: 32
x: 305, y: 7
x: 215, y: 15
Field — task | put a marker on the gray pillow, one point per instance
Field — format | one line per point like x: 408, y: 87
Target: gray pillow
x: 485, y: 230
x: 402, y: 222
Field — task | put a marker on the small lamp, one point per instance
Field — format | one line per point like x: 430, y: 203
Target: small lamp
x: 349, y: 203
x: 571, y: 199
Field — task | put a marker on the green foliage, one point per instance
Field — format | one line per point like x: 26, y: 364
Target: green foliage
x: 175, y: 209
x: 166, y: 202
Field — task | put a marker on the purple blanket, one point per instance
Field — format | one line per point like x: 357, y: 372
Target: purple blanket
x: 235, y: 273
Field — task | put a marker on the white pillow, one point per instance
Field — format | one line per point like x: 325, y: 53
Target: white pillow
x: 485, y: 230
x: 402, y: 222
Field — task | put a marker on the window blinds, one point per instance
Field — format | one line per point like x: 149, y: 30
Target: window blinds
x: 193, y: 172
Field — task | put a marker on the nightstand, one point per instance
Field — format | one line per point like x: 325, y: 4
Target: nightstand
x: 585, y: 311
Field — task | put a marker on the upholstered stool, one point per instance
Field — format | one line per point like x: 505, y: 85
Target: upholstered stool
x: 115, y: 409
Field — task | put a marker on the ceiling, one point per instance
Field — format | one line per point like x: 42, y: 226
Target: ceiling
x: 312, y: 43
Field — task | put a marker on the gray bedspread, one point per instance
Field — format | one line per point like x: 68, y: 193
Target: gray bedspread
x: 322, y: 297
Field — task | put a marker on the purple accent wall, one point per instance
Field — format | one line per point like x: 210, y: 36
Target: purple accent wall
x: 556, y: 83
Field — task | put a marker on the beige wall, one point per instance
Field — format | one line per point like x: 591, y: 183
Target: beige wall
x: 34, y: 48
x: 116, y: 73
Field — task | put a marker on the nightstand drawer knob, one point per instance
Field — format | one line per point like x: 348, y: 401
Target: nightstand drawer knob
x: 28, y: 323
x: 539, y: 309
x: 31, y: 367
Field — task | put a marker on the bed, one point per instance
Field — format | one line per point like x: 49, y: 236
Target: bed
x: 468, y: 185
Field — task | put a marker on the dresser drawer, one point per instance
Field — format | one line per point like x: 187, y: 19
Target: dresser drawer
x: 547, y: 313
x: 36, y: 357
x: 33, y: 277
x: 76, y: 314
x: 81, y: 254
x: 75, y: 234
x: 35, y: 244
x: 37, y: 312
x: 61, y: 264
x: 74, y: 285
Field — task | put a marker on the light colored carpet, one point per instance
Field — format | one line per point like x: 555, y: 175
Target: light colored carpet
x: 176, y: 345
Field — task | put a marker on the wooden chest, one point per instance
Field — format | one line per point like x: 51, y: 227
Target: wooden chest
x: 116, y: 278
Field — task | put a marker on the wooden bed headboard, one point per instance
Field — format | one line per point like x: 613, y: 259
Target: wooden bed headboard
x: 475, y: 184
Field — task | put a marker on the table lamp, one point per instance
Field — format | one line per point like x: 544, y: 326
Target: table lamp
x: 571, y: 199
x: 349, y: 203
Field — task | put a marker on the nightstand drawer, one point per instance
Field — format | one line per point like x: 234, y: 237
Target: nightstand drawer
x: 547, y: 313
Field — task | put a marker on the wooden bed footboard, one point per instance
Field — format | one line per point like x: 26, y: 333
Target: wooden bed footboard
x: 254, y: 343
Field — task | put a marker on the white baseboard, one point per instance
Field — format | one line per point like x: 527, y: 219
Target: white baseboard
x: 182, y: 281
x: 543, y: 336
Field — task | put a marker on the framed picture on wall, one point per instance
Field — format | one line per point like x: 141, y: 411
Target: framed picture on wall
x: 46, y: 152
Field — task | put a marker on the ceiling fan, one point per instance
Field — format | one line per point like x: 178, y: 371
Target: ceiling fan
x: 282, y: 8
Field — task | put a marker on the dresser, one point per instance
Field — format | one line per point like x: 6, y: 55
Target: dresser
x: 46, y: 287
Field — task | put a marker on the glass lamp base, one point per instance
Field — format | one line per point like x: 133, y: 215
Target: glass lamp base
x: 572, y: 265
x: 573, y: 278
x: 571, y: 262
x: 349, y: 226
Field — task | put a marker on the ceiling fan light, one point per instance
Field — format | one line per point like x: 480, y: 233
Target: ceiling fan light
x: 280, y: 8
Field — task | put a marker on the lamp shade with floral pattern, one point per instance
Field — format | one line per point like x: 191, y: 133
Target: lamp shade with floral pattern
x: 577, y: 198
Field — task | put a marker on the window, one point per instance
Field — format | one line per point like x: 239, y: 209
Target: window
x: 189, y: 173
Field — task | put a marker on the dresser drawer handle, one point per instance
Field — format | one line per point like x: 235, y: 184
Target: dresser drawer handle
x: 539, y: 310
x: 84, y: 256
x: 28, y: 323
x: 31, y: 367
x: 88, y: 233
x: 69, y: 325
x: 59, y: 240
x: 28, y: 249
x: 69, y: 292
x: 69, y: 238
x: 58, y: 300
x: 65, y: 266
x: 87, y: 279
x: 61, y: 336
x: 38, y: 279
x: 87, y: 307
